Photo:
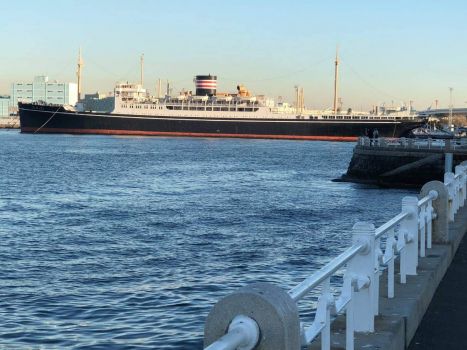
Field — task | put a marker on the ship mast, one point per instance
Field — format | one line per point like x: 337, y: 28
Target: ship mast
x: 336, y: 76
x: 159, y: 88
x: 450, y: 109
x: 297, y: 99
x: 78, y: 73
x: 302, y: 101
x: 142, y: 68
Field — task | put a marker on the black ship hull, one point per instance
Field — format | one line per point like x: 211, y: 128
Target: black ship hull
x: 36, y: 118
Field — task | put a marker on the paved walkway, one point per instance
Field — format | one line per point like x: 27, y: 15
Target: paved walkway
x: 444, y: 325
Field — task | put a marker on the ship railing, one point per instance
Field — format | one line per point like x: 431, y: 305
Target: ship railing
x: 266, y: 316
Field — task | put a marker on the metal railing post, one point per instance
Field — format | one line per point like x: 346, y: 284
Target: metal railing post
x: 391, y: 245
x: 464, y: 184
x: 422, y: 229
x: 409, y: 231
x: 349, y: 312
x: 448, y: 161
x: 362, y: 270
x: 431, y: 216
x: 464, y: 181
x: 449, y: 183
x: 460, y: 171
x: 375, y: 286
x: 457, y: 193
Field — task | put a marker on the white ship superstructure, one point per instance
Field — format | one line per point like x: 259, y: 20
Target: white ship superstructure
x: 133, y: 99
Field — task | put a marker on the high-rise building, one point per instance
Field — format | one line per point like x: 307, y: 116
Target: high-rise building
x: 41, y: 89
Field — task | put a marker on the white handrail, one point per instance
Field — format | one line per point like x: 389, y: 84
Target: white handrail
x: 431, y: 196
x: 408, y: 235
x: 390, y: 224
x: 413, y: 143
x: 299, y: 291
x: 243, y: 333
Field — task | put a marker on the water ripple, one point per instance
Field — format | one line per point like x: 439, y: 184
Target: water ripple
x: 126, y: 243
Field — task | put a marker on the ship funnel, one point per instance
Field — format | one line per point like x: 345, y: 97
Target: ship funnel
x: 206, y: 85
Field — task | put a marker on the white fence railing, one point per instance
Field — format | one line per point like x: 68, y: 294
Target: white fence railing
x: 237, y: 323
x: 411, y: 143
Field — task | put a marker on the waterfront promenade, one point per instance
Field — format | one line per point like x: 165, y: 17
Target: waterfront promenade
x: 379, y: 304
x: 443, y: 325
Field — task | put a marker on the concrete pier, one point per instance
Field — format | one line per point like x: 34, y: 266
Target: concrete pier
x: 403, y: 162
x: 9, y: 123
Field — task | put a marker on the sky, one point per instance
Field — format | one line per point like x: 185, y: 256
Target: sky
x: 390, y: 51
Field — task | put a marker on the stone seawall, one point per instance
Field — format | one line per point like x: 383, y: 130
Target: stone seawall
x: 397, y: 167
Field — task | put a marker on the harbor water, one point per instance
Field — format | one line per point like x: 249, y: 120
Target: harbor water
x: 127, y: 242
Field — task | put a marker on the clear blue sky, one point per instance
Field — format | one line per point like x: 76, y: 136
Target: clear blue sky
x: 390, y: 50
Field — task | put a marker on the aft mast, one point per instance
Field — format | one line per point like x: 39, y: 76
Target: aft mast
x: 336, y: 76
x: 78, y: 73
x: 450, y: 128
x: 142, y: 69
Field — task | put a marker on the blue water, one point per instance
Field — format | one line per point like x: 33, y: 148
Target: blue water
x: 127, y: 243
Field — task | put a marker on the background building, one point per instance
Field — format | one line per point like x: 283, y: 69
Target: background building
x: 43, y: 90
x: 99, y: 102
x: 7, y: 119
x: 4, y: 106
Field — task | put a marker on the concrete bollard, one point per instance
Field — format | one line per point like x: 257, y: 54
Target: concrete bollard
x: 440, y: 205
x: 271, y: 307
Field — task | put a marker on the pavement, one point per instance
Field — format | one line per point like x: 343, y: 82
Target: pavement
x: 444, y: 325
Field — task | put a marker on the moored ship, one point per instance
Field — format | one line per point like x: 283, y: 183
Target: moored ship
x: 207, y: 113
